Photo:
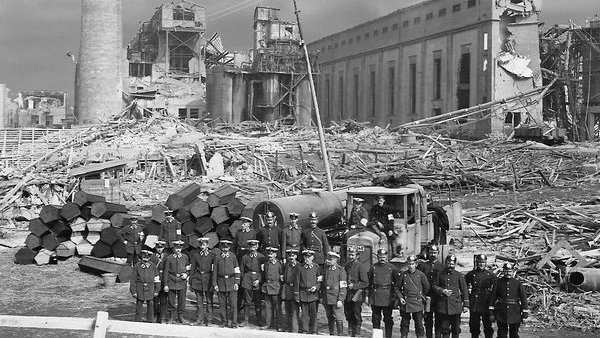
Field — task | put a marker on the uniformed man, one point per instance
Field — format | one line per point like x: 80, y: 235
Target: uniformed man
x: 383, y: 278
x: 412, y: 288
x: 359, y: 215
x: 273, y: 276
x: 480, y: 282
x: 171, y: 230
x: 201, y: 282
x: 358, y: 281
x: 291, y: 236
x: 289, y: 293
x: 308, y: 286
x: 144, y: 285
x: 241, y: 245
x: 269, y: 235
x: 453, y: 297
x: 315, y: 239
x: 175, y: 276
x: 251, y: 269
x: 133, y: 237
x: 508, y: 303
x: 430, y: 268
x: 160, y: 301
x: 382, y: 219
x: 226, y: 282
x: 335, y: 284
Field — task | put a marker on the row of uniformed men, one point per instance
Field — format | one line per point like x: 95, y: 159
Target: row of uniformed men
x: 256, y: 277
x: 480, y: 292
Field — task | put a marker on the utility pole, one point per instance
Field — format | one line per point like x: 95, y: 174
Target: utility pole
x: 315, y: 103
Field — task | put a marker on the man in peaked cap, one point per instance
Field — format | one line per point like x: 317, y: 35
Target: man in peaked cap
x: 334, y: 293
x: 481, y: 282
x: 291, y: 235
x: 144, y: 285
x: 201, y: 282
x: 358, y: 281
x: 508, y: 303
x: 383, y: 278
x: 273, y: 276
x: 315, y: 239
x: 242, y: 236
x: 175, y: 275
x: 133, y: 237
x: 250, y: 267
x: 412, y: 288
x: 453, y: 297
x: 308, y: 286
x: 171, y: 229
x: 359, y: 215
x: 160, y: 301
x: 431, y: 267
x: 226, y: 281
x: 289, y: 293
x: 269, y: 235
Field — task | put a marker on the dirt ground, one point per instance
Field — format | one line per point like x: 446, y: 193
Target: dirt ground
x: 62, y: 290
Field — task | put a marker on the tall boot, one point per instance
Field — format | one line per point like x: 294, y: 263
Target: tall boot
x: 198, y: 317
x: 388, y: 331
x: 340, y: 327
x: 259, y: 319
x: 351, y: 328
x: 357, y: 328
x: 331, y: 327
x: 244, y: 318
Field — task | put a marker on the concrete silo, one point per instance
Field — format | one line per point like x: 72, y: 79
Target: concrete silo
x: 99, y: 83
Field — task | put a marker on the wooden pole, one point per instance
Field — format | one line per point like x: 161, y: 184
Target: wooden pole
x: 316, y: 104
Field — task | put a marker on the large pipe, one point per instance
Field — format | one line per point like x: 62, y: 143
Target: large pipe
x: 327, y: 205
x: 586, y: 279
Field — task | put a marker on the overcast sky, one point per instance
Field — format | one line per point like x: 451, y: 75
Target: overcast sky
x: 36, y: 34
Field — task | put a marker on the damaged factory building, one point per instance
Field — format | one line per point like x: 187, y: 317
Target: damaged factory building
x: 166, y: 65
x: 435, y: 57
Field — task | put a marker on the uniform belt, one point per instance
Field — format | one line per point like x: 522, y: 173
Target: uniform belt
x: 253, y: 272
x: 226, y: 276
x: 203, y: 272
x: 508, y: 301
x: 290, y: 284
x: 382, y: 286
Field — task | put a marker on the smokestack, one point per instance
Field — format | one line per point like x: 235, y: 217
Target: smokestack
x: 98, y: 73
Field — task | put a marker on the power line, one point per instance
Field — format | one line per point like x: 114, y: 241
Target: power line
x: 224, y: 14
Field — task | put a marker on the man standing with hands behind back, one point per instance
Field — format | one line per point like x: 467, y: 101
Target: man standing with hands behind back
x: 451, y: 287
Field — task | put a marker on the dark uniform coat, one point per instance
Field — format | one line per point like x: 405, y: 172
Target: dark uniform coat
x: 269, y: 237
x: 241, y: 241
x: 334, y: 285
x: 383, y: 278
x: 431, y: 270
x: 358, y: 277
x: 412, y: 287
x: 175, y: 266
x: 381, y: 214
x: 272, y: 277
x: 131, y: 235
x: 201, y: 272
x: 226, y: 272
x: 159, y: 261
x: 250, y: 267
x: 315, y: 239
x: 356, y: 215
x: 455, y: 281
x: 290, y: 278
x: 144, y: 281
x: 309, y: 276
x: 480, y: 284
x: 509, y: 299
x: 170, y: 232
x: 290, y: 238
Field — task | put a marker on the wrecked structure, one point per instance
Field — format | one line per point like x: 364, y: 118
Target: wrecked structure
x: 572, y: 55
x: 273, y: 85
x: 435, y: 57
x: 166, y: 71
x: 40, y: 108
x: 8, y: 108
